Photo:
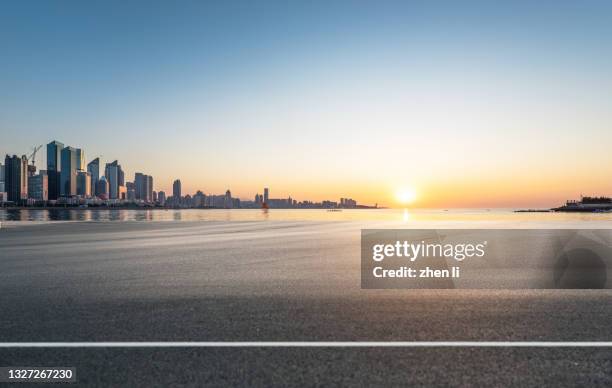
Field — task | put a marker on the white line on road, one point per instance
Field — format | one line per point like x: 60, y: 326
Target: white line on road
x: 310, y: 344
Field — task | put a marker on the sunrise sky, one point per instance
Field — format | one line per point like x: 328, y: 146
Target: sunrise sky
x: 479, y: 104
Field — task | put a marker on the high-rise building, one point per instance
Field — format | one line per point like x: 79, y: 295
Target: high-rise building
x: 93, y: 168
x: 121, y: 177
x: 80, y: 157
x: 102, y: 188
x: 161, y: 198
x: 266, y: 195
x: 176, y: 190
x: 227, y: 203
x: 1, y: 178
x: 54, y: 166
x: 16, y: 178
x: 199, y: 199
x: 83, y: 183
x: 115, y: 178
x: 68, y: 172
x: 139, y: 185
x: 348, y: 203
x: 143, y: 186
x: 122, y: 193
x: 38, y: 186
x: 149, y: 182
x: 131, y: 191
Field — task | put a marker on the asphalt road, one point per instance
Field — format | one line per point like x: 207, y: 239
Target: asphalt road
x: 272, y: 281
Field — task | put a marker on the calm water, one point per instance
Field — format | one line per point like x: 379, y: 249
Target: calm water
x: 405, y: 215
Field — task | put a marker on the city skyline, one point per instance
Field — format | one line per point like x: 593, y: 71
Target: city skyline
x: 67, y: 180
x: 467, y: 105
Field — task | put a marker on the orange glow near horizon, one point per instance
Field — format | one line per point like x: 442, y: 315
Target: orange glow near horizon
x: 501, y: 192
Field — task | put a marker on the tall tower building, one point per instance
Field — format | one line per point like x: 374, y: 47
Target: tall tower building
x: 143, y: 187
x: 161, y: 198
x: 176, y: 190
x: 38, y: 186
x: 266, y: 196
x: 149, y: 182
x: 102, y: 188
x: 1, y: 178
x: 139, y: 185
x: 16, y: 178
x: 68, y: 173
x: 54, y: 163
x: 227, y: 200
x: 114, y: 176
x: 83, y: 183
x: 93, y: 168
x: 80, y: 157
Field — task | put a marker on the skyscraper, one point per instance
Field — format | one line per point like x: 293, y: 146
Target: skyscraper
x: 176, y: 190
x: 102, y: 188
x: 139, y: 185
x: 115, y: 177
x: 161, y: 198
x: 38, y: 186
x: 150, y: 188
x: 1, y: 178
x: 143, y: 186
x: 227, y: 202
x: 130, y: 190
x: 68, y: 172
x: 80, y: 157
x: 93, y: 168
x: 54, y: 150
x: 16, y: 178
x: 83, y: 187
x: 266, y: 196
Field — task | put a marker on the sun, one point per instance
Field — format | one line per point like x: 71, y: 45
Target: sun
x: 406, y: 196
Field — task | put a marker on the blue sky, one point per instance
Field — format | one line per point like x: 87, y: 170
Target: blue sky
x: 316, y: 99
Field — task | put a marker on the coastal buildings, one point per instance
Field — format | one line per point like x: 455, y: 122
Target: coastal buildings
x: 161, y: 198
x: 38, y: 186
x: 115, y: 178
x: 199, y: 199
x: 93, y: 168
x: 68, y: 172
x: 67, y: 181
x: 54, y: 150
x: 80, y: 159
x: 16, y: 178
x: 1, y: 178
x: 176, y: 189
x: 83, y: 183
x: 143, y: 187
x: 102, y: 188
x: 348, y: 203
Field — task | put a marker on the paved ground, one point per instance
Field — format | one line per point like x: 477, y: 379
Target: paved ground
x: 271, y: 281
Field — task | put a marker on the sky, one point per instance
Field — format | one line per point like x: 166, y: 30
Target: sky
x: 468, y: 104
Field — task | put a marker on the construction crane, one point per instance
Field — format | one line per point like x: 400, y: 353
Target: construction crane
x: 32, y: 156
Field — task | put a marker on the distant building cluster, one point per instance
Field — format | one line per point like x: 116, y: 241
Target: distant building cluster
x: 67, y: 181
